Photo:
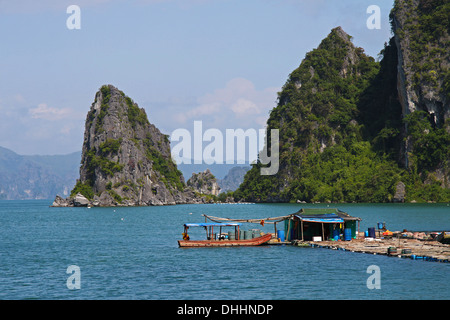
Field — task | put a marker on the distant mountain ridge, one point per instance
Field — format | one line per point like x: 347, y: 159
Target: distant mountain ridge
x: 27, y: 177
x: 233, y: 179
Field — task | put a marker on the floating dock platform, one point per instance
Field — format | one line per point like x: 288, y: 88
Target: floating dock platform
x: 402, y: 248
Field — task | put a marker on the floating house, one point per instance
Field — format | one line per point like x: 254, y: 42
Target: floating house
x: 321, y: 224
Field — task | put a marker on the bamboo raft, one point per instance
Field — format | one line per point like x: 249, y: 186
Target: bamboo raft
x: 401, y: 248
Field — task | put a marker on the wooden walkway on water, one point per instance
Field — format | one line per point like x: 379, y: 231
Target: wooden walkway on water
x: 402, y: 248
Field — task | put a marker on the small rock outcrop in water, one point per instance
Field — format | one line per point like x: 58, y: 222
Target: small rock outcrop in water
x: 126, y: 160
x: 204, y: 182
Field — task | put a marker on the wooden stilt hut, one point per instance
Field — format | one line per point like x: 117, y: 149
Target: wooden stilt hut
x: 321, y: 224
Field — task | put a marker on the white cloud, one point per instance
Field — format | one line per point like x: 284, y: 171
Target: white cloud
x: 237, y: 104
x: 40, y: 129
x: 244, y: 107
x: 202, y: 110
x: 42, y: 111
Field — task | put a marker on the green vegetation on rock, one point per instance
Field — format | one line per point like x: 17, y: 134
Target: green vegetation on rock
x: 85, y: 188
x: 125, y: 159
x: 342, y: 131
x: 426, y: 24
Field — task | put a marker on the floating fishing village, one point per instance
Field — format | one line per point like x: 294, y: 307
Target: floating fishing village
x: 323, y: 228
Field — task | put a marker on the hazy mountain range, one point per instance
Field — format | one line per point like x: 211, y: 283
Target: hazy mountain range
x: 36, y: 176
x: 26, y: 177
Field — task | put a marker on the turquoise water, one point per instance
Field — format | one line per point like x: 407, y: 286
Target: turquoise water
x: 132, y: 253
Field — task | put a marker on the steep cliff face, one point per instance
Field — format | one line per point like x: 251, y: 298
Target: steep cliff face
x: 421, y: 33
x: 125, y: 159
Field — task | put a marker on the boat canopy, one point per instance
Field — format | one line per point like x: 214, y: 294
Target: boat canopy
x: 257, y: 220
x: 211, y: 224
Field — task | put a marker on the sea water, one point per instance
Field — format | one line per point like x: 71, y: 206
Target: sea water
x: 132, y: 253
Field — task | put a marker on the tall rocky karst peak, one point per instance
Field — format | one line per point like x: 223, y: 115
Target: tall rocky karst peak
x: 340, y: 42
x: 126, y: 160
x: 356, y: 130
x: 316, y: 117
x: 337, y: 39
x: 320, y: 96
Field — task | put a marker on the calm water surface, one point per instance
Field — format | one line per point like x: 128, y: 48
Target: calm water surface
x: 132, y: 253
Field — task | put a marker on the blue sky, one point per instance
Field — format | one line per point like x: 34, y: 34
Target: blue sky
x: 219, y: 61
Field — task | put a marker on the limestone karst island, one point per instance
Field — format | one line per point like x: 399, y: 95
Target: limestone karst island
x: 126, y: 160
x: 352, y: 129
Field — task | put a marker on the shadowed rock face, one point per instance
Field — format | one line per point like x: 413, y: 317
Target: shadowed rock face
x: 126, y: 160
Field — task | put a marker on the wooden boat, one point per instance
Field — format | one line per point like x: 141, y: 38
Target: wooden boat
x: 221, y: 242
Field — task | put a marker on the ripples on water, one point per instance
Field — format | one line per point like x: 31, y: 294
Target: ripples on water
x: 132, y: 253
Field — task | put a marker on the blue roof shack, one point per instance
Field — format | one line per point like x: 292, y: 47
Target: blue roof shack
x: 321, y: 224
